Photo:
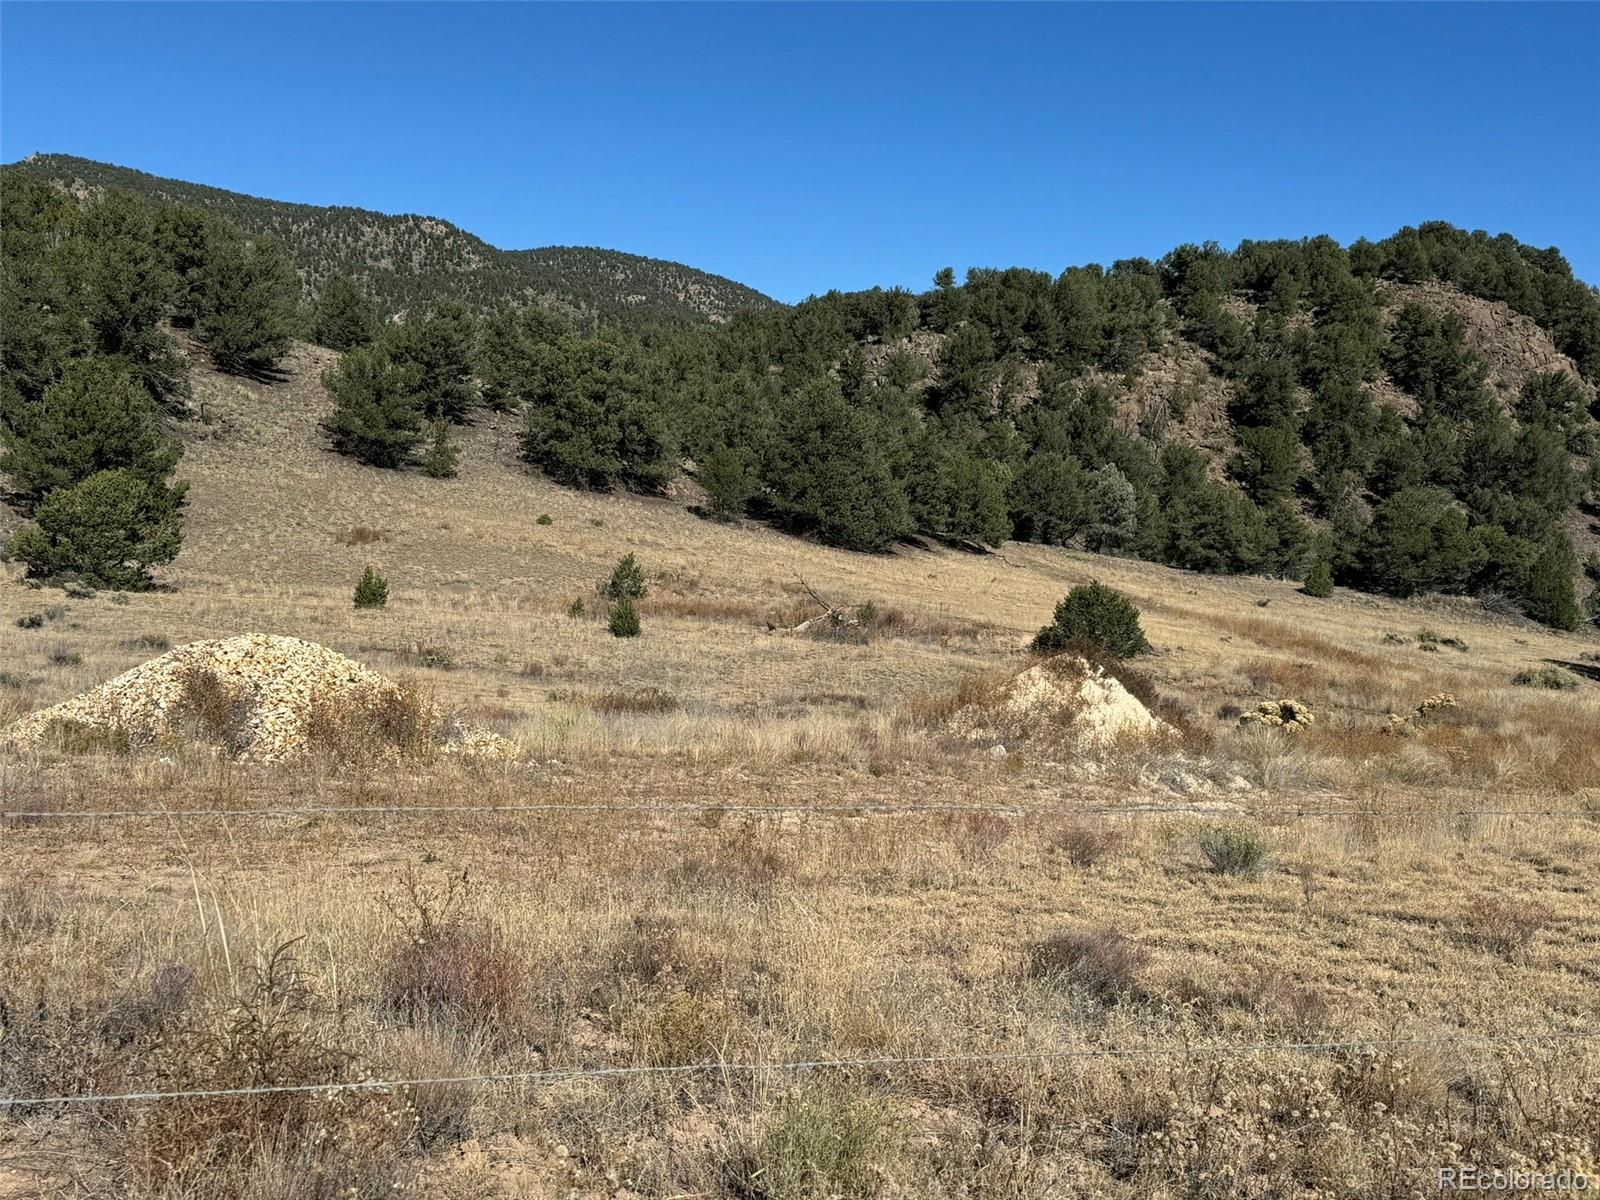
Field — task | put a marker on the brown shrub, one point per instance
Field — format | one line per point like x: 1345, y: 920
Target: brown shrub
x: 361, y: 535
x: 373, y: 725
x: 645, y: 700
x: 213, y: 711
x: 1103, y: 963
x: 981, y: 689
x: 1508, y: 927
x: 1085, y: 843
x: 449, y: 963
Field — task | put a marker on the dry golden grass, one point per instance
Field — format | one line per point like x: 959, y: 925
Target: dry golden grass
x: 188, y: 952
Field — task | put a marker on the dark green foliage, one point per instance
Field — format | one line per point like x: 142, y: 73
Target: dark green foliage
x: 627, y: 580
x: 1050, y: 499
x: 376, y: 416
x: 440, y: 346
x: 726, y: 481
x: 826, y: 472
x: 96, y: 418
x: 372, y: 590
x: 1419, y: 541
x: 1319, y: 580
x: 1547, y: 592
x: 344, y: 317
x: 958, y: 497
x: 247, y: 307
x: 1094, y: 615
x: 441, y: 459
x: 107, y: 531
x: 1234, y: 851
x: 435, y: 260
x: 622, y: 619
x: 591, y: 421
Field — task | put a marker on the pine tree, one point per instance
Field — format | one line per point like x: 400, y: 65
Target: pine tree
x: 376, y: 416
x: 96, y: 418
x: 1319, y: 580
x: 372, y: 590
x: 726, y: 481
x: 627, y: 580
x: 345, y: 318
x: 441, y: 345
x: 107, y: 531
x: 440, y: 462
x: 622, y: 619
x: 248, y: 299
x: 1049, y: 500
x: 1547, y: 591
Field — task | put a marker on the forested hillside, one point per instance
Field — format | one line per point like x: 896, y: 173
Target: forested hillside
x: 408, y: 262
x: 1408, y: 416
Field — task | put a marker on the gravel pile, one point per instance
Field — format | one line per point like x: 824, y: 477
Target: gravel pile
x: 252, y: 693
x: 1062, y: 699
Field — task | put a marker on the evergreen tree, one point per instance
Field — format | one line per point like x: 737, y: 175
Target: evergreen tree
x: 627, y: 580
x: 1095, y: 616
x: 441, y: 345
x: 1113, y: 510
x: 344, y: 318
x: 1048, y: 499
x: 97, y: 418
x: 107, y: 531
x: 1319, y: 580
x: 442, y: 458
x: 590, y: 419
x: 248, y: 299
x: 1547, y: 592
x: 622, y: 619
x: 726, y: 481
x: 825, y: 472
x: 376, y: 417
x: 1419, y: 541
x: 372, y: 590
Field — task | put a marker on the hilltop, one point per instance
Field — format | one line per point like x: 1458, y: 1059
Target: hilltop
x: 407, y: 262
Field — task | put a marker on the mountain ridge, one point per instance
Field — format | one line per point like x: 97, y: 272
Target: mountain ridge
x: 406, y: 260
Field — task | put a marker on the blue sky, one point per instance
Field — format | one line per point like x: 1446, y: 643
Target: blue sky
x: 798, y: 148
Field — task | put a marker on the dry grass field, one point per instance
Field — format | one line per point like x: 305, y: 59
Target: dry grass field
x: 1094, y: 1007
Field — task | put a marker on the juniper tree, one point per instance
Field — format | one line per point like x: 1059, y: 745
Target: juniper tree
x: 248, y: 299
x: 442, y: 457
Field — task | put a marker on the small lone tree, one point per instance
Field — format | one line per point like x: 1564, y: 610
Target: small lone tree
x: 372, y: 590
x: 344, y: 317
x: 623, y: 619
x: 1319, y: 580
x: 626, y: 582
x: 107, y: 531
x: 1096, y: 616
x: 442, y: 456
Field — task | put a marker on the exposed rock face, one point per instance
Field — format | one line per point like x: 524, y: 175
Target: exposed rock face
x: 256, y: 694
x: 1289, y: 715
x: 1061, y: 699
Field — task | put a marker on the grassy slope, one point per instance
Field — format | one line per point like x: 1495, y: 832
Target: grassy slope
x: 798, y: 938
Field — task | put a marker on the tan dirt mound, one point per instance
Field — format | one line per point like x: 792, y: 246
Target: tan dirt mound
x: 257, y: 694
x: 1062, y: 699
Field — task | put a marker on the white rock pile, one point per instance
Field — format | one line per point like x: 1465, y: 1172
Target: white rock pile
x: 269, y: 687
x: 1063, y: 699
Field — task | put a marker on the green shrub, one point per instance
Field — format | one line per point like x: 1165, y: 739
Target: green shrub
x: 576, y: 609
x: 1234, y: 851
x: 372, y: 590
x: 623, y: 619
x: 1319, y: 580
x: 1553, y: 678
x: 626, y: 582
x: 544, y: 519
x: 827, y: 1139
x: 442, y: 457
x: 31, y: 621
x: 1094, y: 615
x: 108, y: 531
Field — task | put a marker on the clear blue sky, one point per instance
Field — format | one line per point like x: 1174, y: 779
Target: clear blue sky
x: 798, y: 148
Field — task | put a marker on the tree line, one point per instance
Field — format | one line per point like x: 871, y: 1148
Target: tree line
x: 972, y: 412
